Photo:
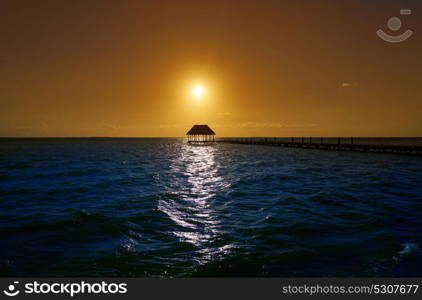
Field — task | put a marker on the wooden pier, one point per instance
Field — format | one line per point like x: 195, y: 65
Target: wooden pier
x: 340, y: 144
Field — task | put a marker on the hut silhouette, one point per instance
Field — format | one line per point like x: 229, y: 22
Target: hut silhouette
x: 200, y: 134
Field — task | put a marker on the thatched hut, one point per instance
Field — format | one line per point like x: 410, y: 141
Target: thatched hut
x: 200, y: 134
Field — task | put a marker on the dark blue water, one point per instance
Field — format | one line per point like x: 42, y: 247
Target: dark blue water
x: 159, y: 207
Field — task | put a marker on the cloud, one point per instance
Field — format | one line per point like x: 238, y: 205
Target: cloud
x: 346, y: 84
x: 167, y: 126
x: 112, y: 126
x: 224, y: 114
x: 276, y: 125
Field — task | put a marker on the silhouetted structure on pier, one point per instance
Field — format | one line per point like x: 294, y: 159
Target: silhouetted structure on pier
x: 341, y: 144
x: 200, y: 134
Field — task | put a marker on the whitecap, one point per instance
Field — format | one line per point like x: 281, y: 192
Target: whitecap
x: 410, y: 249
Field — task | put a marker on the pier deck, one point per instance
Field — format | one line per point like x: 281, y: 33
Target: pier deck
x: 342, y: 144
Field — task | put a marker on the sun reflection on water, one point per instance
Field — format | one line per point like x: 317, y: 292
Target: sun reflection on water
x: 195, y: 182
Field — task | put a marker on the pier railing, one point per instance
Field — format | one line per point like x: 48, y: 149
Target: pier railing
x: 337, y: 144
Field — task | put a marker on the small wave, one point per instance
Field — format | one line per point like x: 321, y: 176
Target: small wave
x: 79, y: 172
x: 410, y: 253
x: 177, y: 216
x: 84, y: 216
x: 410, y: 249
x: 262, y: 220
x: 20, y: 191
x: 6, y: 177
x: 82, y: 222
x: 325, y: 199
x: 19, y: 166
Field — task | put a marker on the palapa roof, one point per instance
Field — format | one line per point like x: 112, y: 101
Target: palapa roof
x: 200, y: 130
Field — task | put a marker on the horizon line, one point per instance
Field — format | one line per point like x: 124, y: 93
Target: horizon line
x: 182, y: 137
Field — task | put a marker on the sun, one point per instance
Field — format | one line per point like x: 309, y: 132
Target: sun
x: 198, y: 91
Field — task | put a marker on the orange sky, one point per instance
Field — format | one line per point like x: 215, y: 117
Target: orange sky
x: 269, y: 68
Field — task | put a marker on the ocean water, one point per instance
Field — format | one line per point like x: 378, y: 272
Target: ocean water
x: 163, y: 208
